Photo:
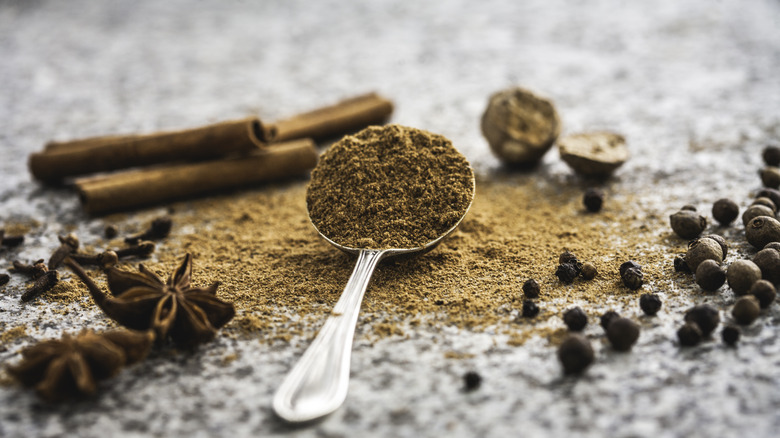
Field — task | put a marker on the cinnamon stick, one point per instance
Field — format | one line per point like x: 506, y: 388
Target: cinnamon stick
x: 342, y: 118
x: 64, y: 159
x: 130, y: 189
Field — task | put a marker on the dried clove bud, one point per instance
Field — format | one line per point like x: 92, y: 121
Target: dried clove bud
x: 575, y: 354
x: 741, y: 275
x: 710, y: 276
x: 68, y: 245
x: 531, y: 288
x: 725, y: 211
x: 471, y: 381
x: 705, y: 317
x: 530, y: 309
x: 105, y: 259
x: 622, y: 333
x: 764, y: 292
x: 575, y: 318
x: 762, y: 230
x: 755, y: 211
x: 42, y: 284
x: 768, y: 260
x: 730, y: 335
x: 607, y: 318
x: 142, y: 249
x: 159, y: 229
x: 589, y: 271
x: 703, y: 249
x: 34, y: 270
x: 687, y: 224
x: 650, y: 304
x: 593, y: 200
x: 771, y: 155
x: 689, y: 334
x: 770, y: 177
x: 746, y: 310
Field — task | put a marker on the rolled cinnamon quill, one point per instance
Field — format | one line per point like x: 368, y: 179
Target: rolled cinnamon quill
x: 135, y: 188
x: 64, y: 159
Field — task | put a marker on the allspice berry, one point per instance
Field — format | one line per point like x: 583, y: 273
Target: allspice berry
x: 650, y: 304
x: 746, y: 310
x: 773, y: 245
x: 766, y: 202
x: 575, y: 354
x: 607, y: 318
x: 710, y: 276
x: 588, y: 271
x: 703, y: 249
x: 705, y: 317
x: 755, y: 211
x: 741, y: 275
x: 730, y: 335
x: 622, y: 333
x: 770, y: 177
x: 593, y: 200
x: 725, y: 211
x: 764, y: 292
x: 531, y: 288
x: 575, y: 319
x: 687, y: 224
x: 771, y: 155
x: 594, y: 154
x: 762, y: 230
x: 768, y: 260
x: 772, y: 194
x: 520, y: 127
x: 689, y: 334
x: 721, y: 241
x: 530, y: 309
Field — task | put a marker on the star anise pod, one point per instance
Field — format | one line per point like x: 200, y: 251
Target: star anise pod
x: 141, y: 301
x: 71, y: 366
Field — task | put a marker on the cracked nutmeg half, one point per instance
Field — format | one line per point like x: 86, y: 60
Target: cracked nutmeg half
x: 141, y: 301
x: 71, y: 366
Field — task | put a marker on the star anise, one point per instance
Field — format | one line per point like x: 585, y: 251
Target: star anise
x: 141, y: 301
x: 71, y: 366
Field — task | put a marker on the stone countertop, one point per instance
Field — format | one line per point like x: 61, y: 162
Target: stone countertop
x: 693, y: 86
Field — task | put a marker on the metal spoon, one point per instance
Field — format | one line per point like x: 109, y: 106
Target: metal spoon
x: 318, y: 383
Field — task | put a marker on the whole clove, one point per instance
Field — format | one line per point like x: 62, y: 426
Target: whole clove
x: 68, y: 245
x: 764, y: 292
x: 725, y: 211
x: 33, y: 270
x: 650, y: 304
x: 622, y: 333
x: 710, y: 276
x: 42, y: 284
x: 575, y: 354
x: 730, y: 335
x: 705, y: 317
x: 10, y: 241
x: 531, y: 288
x: 575, y: 319
x: 471, y: 381
x: 689, y: 334
x: 160, y: 228
x: 741, y: 275
x: 142, y: 249
x: 104, y: 259
x: 746, y: 310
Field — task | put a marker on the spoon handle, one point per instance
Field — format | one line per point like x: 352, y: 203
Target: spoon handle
x: 318, y: 383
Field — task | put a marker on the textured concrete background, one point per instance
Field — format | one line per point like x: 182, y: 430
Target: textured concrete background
x: 693, y: 85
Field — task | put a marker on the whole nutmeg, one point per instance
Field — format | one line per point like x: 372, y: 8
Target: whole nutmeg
x: 689, y: 334
x: 755, y: 211
x: 766, y: 202
x: 575, y: 319
x: 725, y: 211
x: 687, y: 224
x: 771, y: 155
x: 710, y: 276
x: 575, y: 354
x: 741, y: 275
x: 768, y: 260
x: 764, y: 292
x: 770, y: 177
x: 520, y: 127
x: 594, y: 154
x: 588, y: 271
x: 721, y: 241
x: 622, y: 333
x: 705, y: 317
x: 746, y: 310
x: 650, y: 304
x: 703, y: 249
x: 762, y: 230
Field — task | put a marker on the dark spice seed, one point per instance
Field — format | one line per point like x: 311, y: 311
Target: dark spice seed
x: 703, y: 249
x: 575, y: 354
x: 755, y: 211
x: 773, y: 245
x: 633, y: 278
x: 770, y: 177
x: 530, y: 309
x: 766, y: 202
x: 42, y: 284
x: 705, y: 316
x: 158, y: 229
x: 629, y: 264
x: 725, y: 211
x: 764, y: 292
x: 650, y: 303
x: 607, y: 318
x: 689, y: 334
x: 680, y: 265
x: 471, y: 380
x: 721, y: 241
x: 439, y: 302
x: 593, y: 200
x: 730, y: 335
x: 771, y: 155
x: 588, y: 271
x: 110, y: 231
x: 746, y: 310
x: 622, y: 333
x: 688, y: 207
x: 772, y: 194
x: 687, y: 224
x: 710, y: 276
x: 566, y: 272
x: 741, y: 275
x: 567, y: 257
x: 11, y: 241
x: 4, y: 278
x: 762, y: 230
x: 531, y: 288
x: 768, y: 260
x: 575, y: 319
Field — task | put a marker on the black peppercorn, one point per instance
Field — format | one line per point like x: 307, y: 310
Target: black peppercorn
x: 471, y: 380
x: 575, y: 318
x: 607, y: 318
x: 593, y: 200
x: 680, y: 265
x: 687, y: 224
x: 710, y: 276
x: 730, y: 335
x: 705, y: 316
x: 746, y: 310
x: 567, y: 257
x: 771, y: 155
x: 689, y: 334
x: 650, y: 303
x: 566, y: 272
x: 622, y: 333
x: 575, y: 354
x: 632, y: 278
x: 725, y: 211
x: 531, y: 289
x: 764, y: 292
x: 629, y: 264
x: 530, y: 309
x: 588, y: 271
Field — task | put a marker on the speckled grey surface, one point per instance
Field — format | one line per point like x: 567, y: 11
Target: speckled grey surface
x: 693, y: 85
